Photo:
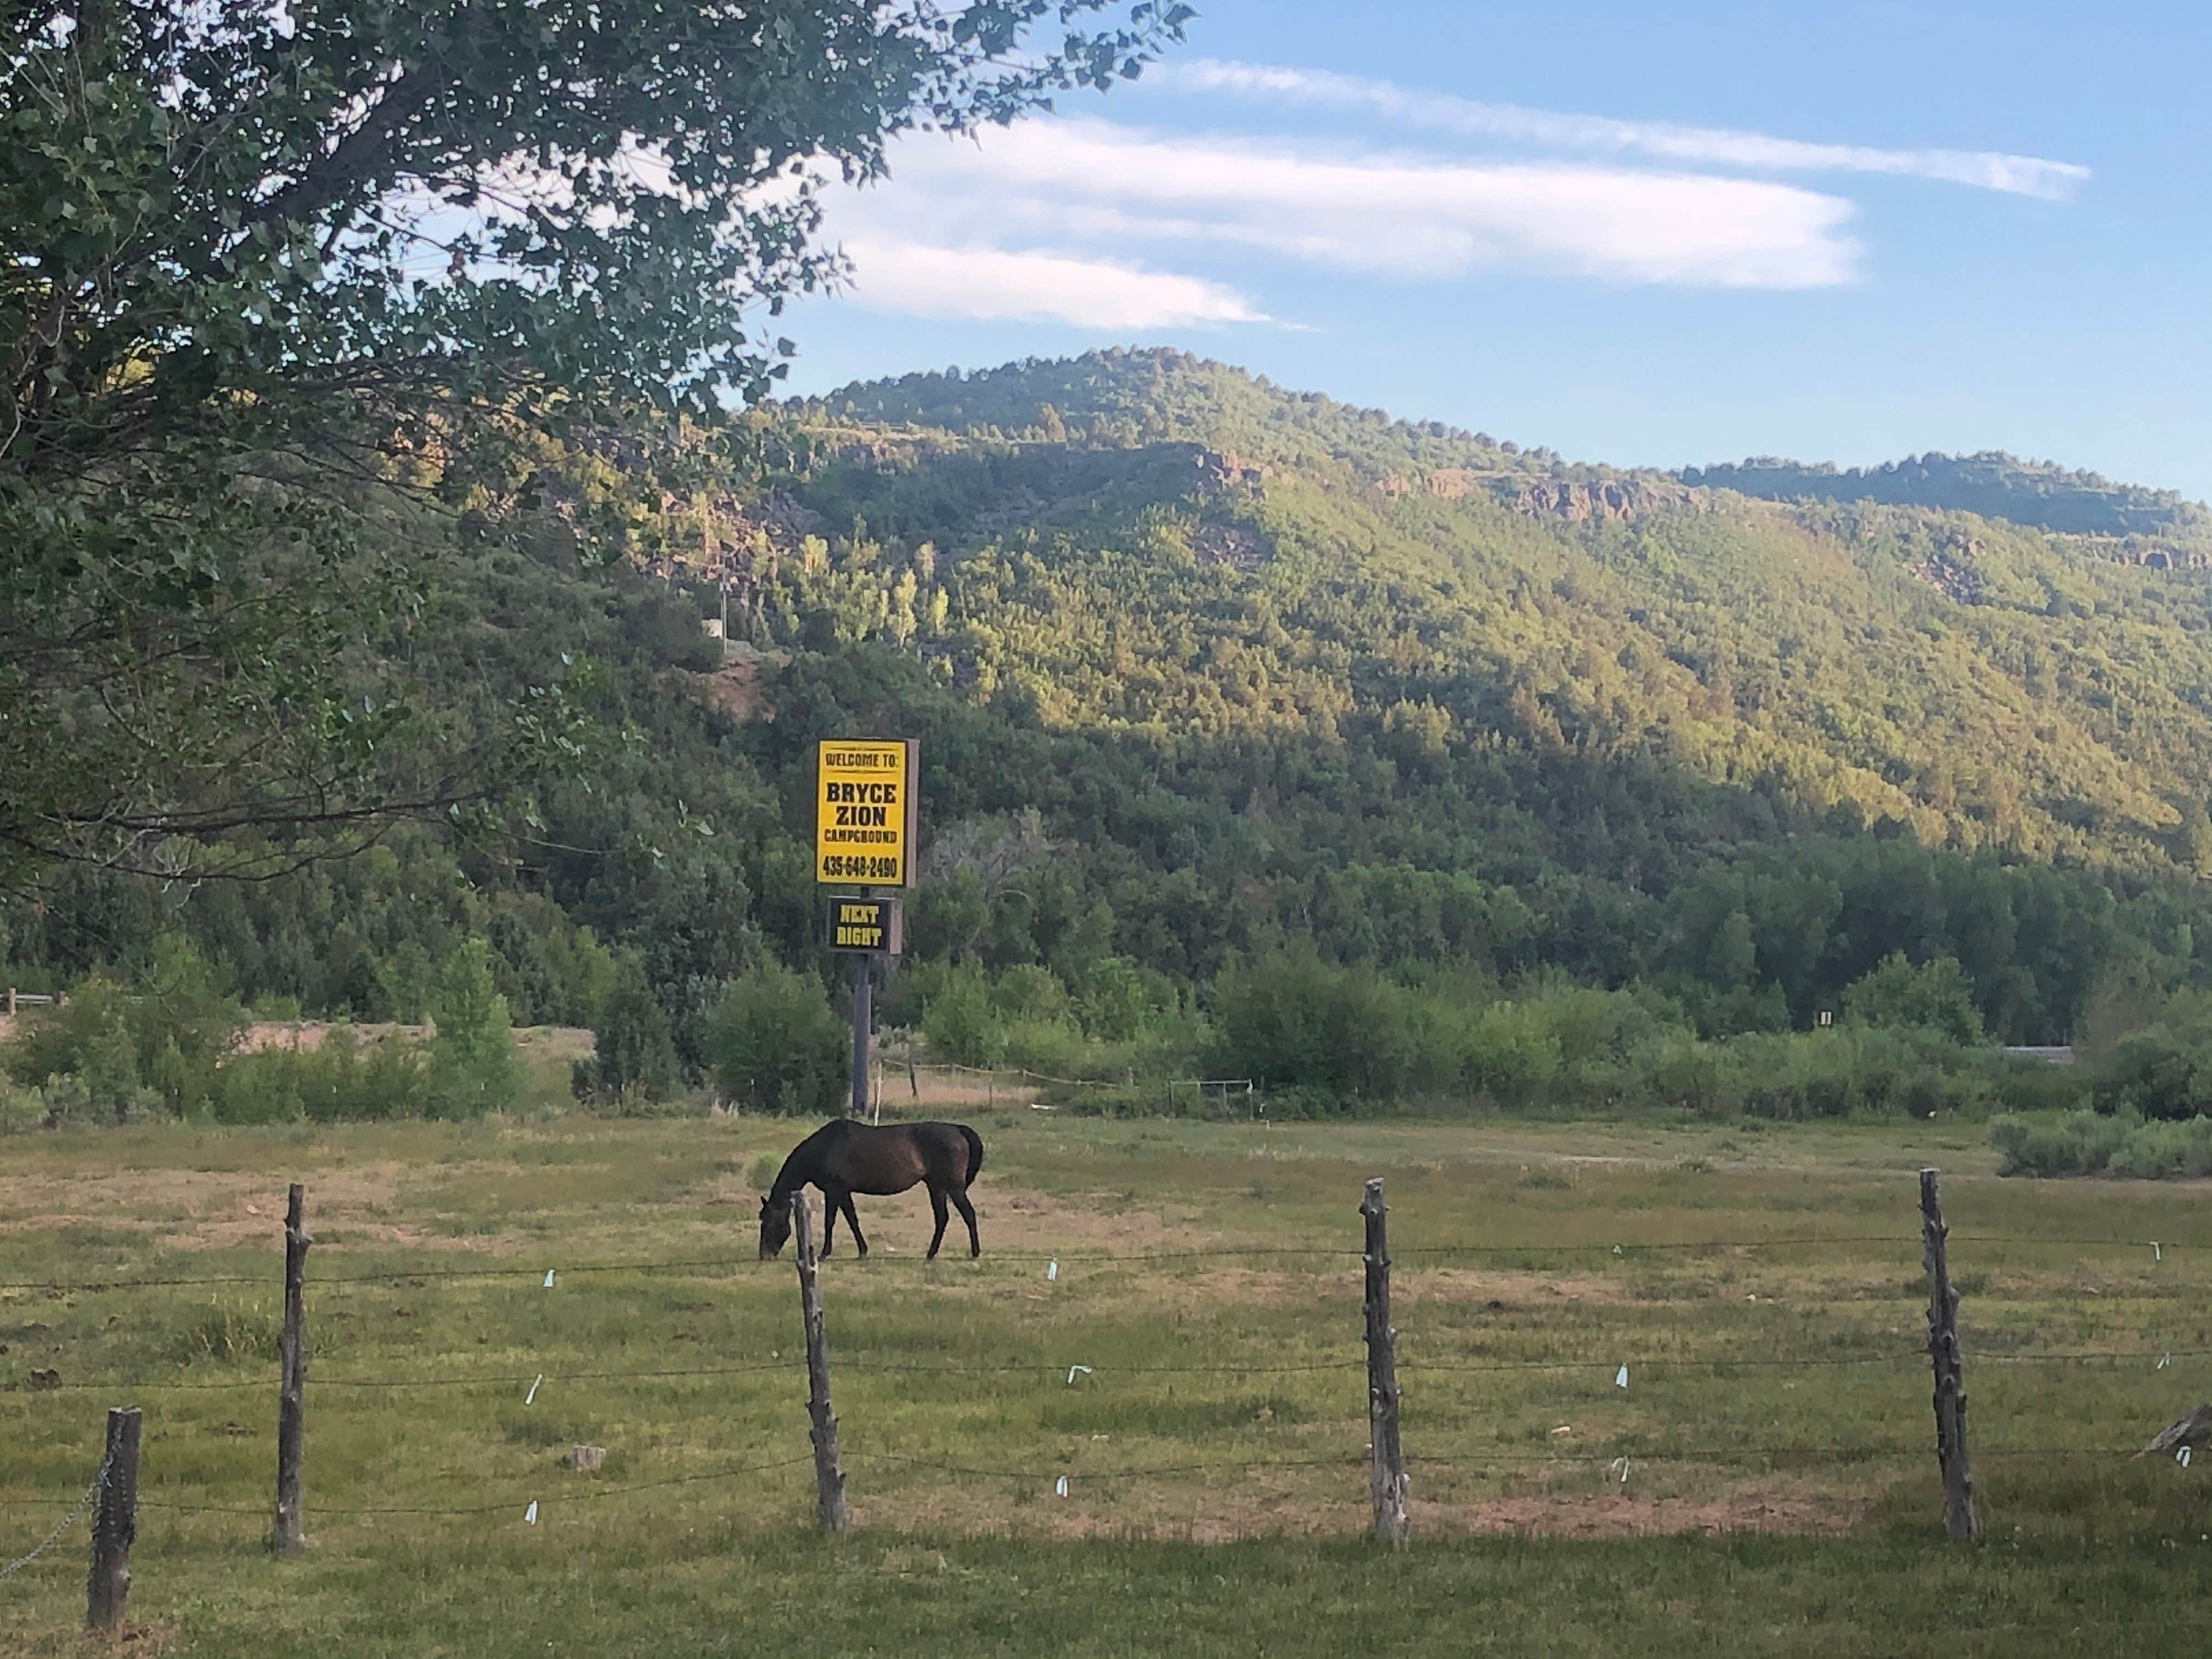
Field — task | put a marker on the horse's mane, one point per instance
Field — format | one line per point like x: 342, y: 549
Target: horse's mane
x: 798, y: 1169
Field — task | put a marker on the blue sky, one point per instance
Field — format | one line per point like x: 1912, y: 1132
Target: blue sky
x: 1642, y: 233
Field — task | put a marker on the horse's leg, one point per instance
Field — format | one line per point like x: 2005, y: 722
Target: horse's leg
x: 937, y: 1203
x: 832, y: 1197
x: 968, y: 1215
x: 853, y: 1216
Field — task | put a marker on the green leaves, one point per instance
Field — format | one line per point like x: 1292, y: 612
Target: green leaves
x: 275, y: 279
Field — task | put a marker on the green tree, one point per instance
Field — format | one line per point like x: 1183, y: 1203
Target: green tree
x: 1936, y: 994
x: 473, y: 1068
x: 776, y: 1045
x: 960, y: 1024
x: 267, y: 264
x: 632, y: 1048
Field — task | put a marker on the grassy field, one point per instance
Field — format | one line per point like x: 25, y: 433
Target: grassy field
x: 1778, y: 1493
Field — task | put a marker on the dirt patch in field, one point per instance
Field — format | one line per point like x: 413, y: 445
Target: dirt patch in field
x: 1026, y: 1222
x: 1210, y: 1516
x: 264, y: 1034
x: 210, y: 1209
x: 566, y: 1042
x: 1514, y: 1289
x: 1584, y: 1516
x: 735, y: 689
x: 1219, y: 1516
x: 1228, y: 1284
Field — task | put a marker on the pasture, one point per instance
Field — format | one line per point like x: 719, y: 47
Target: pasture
x: 1779, y: 1493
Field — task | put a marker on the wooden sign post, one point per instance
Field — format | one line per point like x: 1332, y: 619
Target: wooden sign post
x: 866, y: 829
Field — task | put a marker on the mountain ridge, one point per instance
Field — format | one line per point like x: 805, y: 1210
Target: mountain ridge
x: 1115, y: 394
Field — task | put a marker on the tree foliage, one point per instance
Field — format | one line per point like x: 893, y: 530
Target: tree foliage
x: 275, y: 272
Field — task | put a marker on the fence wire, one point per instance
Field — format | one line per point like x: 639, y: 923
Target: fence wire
x: 1622, y: 1248
x: 1619, y: 1454
x: 99, y: 1480
x: 1099, y: 1372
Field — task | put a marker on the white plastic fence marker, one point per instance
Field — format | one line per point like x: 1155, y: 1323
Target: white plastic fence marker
x: 532, y: 1394
x: 1619, y: 1465
x: 1616, y: 1250
x: 1060, y: 1486
x: 548, y: 1278
x: 2156, y: 1254
x: 1620, y: 1377
x: 1052, y: 1270
x: 2164, y: 1360
x: 2182, y: 1457
x: 529, y: 1515
x: 1072, y: 1371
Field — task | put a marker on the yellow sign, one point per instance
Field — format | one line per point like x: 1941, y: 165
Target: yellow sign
x: 864, y: 813
x: 869, y: 924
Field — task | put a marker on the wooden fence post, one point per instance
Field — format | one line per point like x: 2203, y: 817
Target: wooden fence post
x: 114, y: 1523
x: 1386, y: 1459
x: 829, y: 1477
x: 289, y: 1531
x: 1943, y: 1356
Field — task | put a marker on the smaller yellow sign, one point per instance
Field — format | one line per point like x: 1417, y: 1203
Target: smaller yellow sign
x: 864, y: 812
x: 870, y: 924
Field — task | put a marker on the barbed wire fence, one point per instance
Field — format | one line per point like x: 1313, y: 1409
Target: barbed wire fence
x: 1382, y: 1458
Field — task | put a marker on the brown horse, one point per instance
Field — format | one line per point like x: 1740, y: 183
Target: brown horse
x: 843, y: 1158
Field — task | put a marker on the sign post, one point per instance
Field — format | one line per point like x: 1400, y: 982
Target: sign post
x: 865, y: 834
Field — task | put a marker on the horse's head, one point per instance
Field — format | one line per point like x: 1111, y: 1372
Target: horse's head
x: 776, y: 1227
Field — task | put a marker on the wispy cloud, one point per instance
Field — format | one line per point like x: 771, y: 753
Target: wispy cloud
x: 2025, y: 175
x: 935, y: 234
x: 980, y: 282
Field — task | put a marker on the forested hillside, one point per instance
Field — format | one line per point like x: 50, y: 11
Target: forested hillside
x: 1230, y: 696
x: 1993, y: 483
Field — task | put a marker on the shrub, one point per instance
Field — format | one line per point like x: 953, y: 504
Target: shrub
x: 1512, y: 1054
x: 2079, y: 1143
x: 1696, y: 1076
x: 776, y: 1045
x: 1935, y: 996
x: 342, y: 1081
x: 2159, y: 1072
x: 960, y: 1025
x: 472, y: 1069
x: 2155, y: 1152
x: 1303, y: 1025
x: 2096, y: 1143
x: 633, y: 1049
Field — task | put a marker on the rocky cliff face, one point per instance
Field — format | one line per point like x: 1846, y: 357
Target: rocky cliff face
x: 1571, y: 499
x: 1596, y: 498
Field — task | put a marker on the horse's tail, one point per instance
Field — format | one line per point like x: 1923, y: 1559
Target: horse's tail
x: 974, y: 1154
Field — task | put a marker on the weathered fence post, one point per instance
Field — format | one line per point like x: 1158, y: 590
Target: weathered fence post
x: 289, y: 1531
x: 1943, y: 1356
x: 114, y: 1523
x: 1386, y: 1477
x: 829, y: 1477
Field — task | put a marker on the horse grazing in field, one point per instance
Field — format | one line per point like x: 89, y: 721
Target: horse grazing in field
x: 843, y: 1158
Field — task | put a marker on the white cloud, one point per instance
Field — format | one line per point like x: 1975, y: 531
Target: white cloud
x: 994, y: 282
x: 2026, y: 175
x: 1074, y: 182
